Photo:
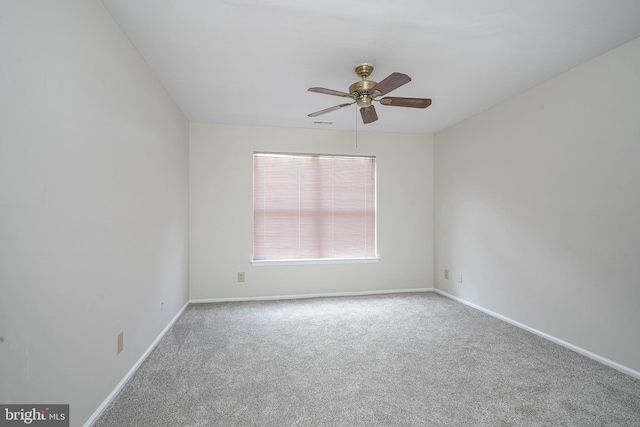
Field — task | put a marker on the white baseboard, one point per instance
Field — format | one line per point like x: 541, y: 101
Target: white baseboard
x: 570, y: 346
x: 135, y: 367
x: 304, y: 296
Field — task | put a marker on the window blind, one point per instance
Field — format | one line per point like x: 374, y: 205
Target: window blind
x: 313, y: 207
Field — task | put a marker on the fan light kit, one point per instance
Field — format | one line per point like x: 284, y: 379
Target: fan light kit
x: 364, y: 92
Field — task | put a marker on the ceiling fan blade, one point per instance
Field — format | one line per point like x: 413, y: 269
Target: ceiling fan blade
x: 328, y: 110
x: 368, y: 114
x: 329, y: 92
x: 406, y: 102
x: 392, y: 82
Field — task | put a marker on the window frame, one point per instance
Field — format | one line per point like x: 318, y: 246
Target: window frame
x: 299, y: 261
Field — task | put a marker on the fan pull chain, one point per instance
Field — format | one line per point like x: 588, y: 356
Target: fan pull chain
x: 356, y: 127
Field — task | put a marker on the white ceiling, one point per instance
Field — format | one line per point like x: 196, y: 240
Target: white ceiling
x: 251, y: 61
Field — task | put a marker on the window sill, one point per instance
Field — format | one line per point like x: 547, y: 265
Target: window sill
x: 260, y: 263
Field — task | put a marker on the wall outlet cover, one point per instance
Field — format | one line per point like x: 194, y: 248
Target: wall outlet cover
x: 120, y: 342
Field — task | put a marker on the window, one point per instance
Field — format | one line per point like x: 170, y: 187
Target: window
x: 313, y: 207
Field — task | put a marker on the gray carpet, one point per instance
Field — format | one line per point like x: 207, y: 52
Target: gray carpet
x: 391, y: 360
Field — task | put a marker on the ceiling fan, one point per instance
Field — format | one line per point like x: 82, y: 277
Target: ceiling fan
x: 364, y: 92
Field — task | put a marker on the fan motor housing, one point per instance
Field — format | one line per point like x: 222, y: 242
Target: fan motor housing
x: 360, y: 90
x: 362, y: 86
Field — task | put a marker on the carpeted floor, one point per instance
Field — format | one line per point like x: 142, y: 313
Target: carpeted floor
x: 391, y: 360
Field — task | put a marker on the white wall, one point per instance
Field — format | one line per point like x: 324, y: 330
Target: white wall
x: 221, y: 217
x: 537, y: 203
x: 93, y: 204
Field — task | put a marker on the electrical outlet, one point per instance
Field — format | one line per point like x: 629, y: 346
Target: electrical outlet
x: 120, y: 342
x: 459, y: 278
x: 446, y: 274
x: 240, y: 276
